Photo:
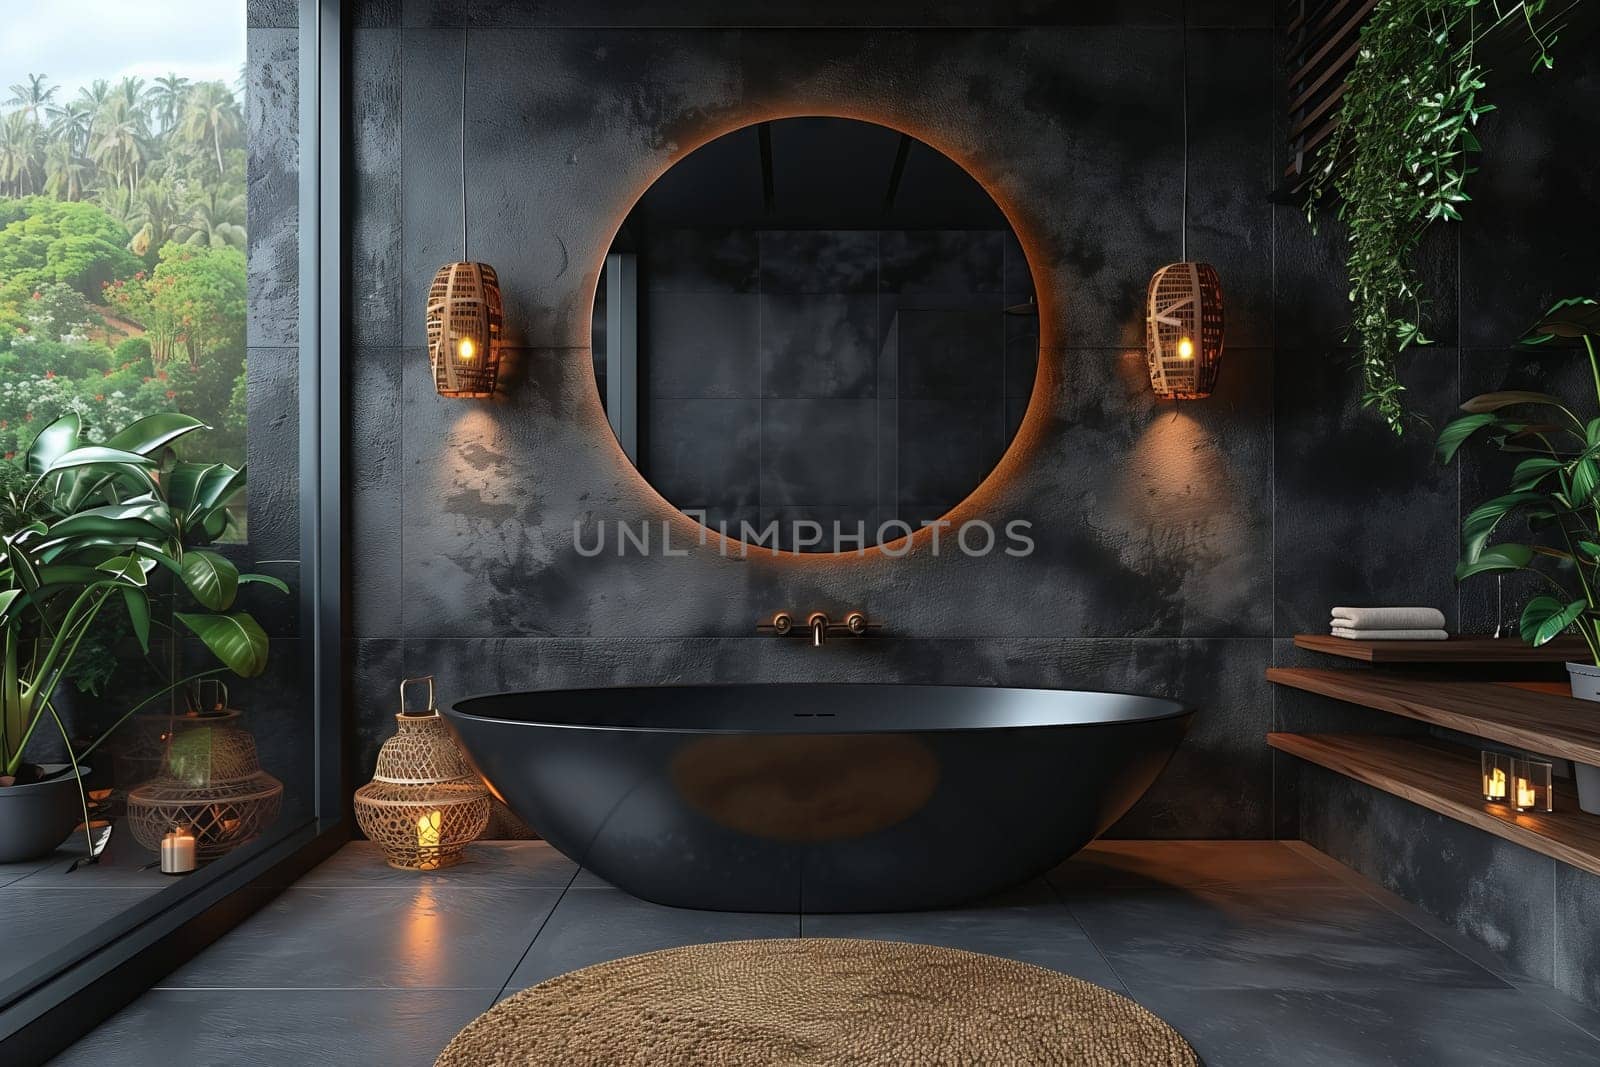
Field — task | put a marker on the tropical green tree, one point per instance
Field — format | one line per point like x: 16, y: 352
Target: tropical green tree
x: 123, y: 141
x: 215, y: 220
x: 211, y: 117
x: 155, y: 217
x: 19, y: 148
x: 167, y: 96
x: 32, y: 96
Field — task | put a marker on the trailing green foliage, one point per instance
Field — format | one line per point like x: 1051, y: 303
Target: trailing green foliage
x: 1399, y: 162
x: 1555, y: 489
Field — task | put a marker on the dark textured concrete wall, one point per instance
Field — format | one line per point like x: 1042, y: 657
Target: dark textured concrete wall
x: 1179, y: 547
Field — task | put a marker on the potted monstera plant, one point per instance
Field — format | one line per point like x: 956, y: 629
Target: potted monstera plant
x: 91, y: 530
x: 1555, y: 488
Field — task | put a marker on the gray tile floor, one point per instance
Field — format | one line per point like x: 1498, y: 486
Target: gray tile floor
x: 1259, y: 952
x: 44, y: 904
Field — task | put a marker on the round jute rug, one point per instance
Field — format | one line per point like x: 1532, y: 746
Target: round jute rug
x: 817, y: 1001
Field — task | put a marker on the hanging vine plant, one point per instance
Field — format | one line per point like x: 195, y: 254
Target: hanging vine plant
x: 1398, y: 162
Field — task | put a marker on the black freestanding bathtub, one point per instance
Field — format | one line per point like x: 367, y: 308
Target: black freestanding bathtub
x: 818, y: 798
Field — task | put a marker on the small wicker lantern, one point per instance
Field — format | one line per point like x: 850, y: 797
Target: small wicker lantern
x: 1184, y: 330
x: 212, y: 784
x: 425, y: 804
x: 464, y: 329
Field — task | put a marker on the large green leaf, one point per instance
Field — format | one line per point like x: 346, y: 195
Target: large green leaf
x: 1456, y: 432
x: 212, y: 579
x: 237, y: 640
x: 130, y: 570
x: 266, y: 579
x: 7, y: 597
x: 1481, y: 520
x: 53, y: 442
x: 1545, y: 617
x: 138, y: 614
x: 1585, y: 475
x: 1504, y: 557
x: 154, y: 431
x: 97, y: 456
x: 1530, y: 472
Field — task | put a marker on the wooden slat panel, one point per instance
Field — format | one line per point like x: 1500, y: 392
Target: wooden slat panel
x: 1539, y: 722
x: 1455, y: 650
x: 1445, y: 778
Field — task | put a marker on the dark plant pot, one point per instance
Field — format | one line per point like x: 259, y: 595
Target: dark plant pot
x: 36, y: 817
x: 1586, y: 686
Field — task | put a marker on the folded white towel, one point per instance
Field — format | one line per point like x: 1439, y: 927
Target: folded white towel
x: 1389, y: 618
x: 1390, y: 635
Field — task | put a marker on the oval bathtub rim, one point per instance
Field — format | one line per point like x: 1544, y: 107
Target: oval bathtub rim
x: 1172, y: 708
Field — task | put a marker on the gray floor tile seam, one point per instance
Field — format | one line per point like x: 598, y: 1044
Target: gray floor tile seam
x: 1087, y: 936
x: 501, y: 992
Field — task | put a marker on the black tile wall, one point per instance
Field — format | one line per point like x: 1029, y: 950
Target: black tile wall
x: 1177, y: 546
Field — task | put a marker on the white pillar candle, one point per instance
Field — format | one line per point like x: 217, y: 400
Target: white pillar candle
x: 177, y: 852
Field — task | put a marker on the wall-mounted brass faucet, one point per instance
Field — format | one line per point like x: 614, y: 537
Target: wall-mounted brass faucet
x: 818, y: 626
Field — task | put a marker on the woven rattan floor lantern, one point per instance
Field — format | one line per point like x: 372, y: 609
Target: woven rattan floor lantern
x: 464, y: 329
x: 426, y: 803
x: 1184, y: 330
x: 211, y: 783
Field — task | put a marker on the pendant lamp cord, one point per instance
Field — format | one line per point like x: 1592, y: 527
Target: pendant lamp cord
x: 1183, y: 234
x: 464, y: 145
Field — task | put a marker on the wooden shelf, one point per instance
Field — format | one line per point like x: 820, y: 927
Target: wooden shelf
x: 1445, y: 778
x: 1455, y: 650
x: 1511, y: 714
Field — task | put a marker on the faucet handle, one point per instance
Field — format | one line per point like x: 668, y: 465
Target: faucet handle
x: 856, y: 623
x: 782, y: 624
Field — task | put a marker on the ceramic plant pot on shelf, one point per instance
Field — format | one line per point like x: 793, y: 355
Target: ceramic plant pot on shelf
x: 1586, y: 686
x: 37, y: 816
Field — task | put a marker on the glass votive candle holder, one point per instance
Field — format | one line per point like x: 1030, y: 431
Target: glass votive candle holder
x: 1530, y: 785
x: 1496, y: 776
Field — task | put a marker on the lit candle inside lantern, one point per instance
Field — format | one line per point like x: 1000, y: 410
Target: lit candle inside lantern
x: 428, y: 841
x: 1526, y: 797
x: 178, y: 852
x: 1494, y: 785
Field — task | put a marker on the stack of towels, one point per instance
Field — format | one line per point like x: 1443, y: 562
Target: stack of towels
x: 1389, y: 624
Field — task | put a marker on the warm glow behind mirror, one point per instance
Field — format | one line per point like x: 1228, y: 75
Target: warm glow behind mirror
x: 816, y: 321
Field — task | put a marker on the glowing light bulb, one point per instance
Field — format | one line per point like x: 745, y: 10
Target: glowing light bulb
x: 1185, y: 348
x: 465, y: 350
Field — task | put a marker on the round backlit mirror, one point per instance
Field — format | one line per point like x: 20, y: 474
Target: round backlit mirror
x: 815, y: 333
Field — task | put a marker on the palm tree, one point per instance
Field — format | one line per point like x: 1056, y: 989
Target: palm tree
x: 216, y: 221
x: 132, y: 91
x: 122, y: 148
x: 117, y: 202
x: 64, y: 170
x: 93, y: 98
x: 33, y: 95
x: 19, y: 146
x: 167, y: 95
x: 212, y: 115
x: 71, y: 122
x: 153, y: 217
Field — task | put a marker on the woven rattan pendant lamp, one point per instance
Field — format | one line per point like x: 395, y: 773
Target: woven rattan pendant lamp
x: 425, y: 804
x: 464, y: 321
x: 464, y: 314
x: 1183, y: 330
